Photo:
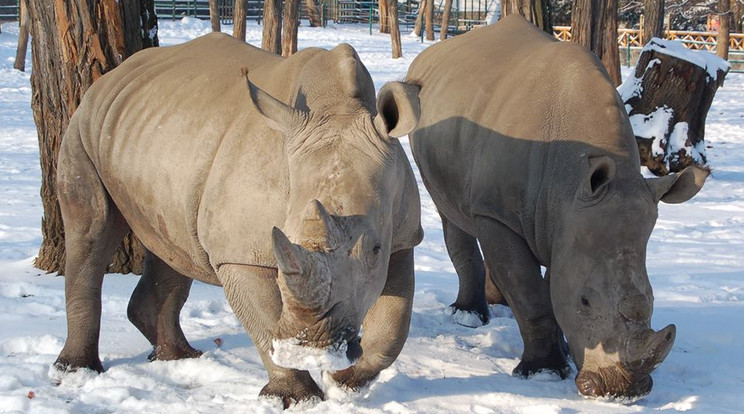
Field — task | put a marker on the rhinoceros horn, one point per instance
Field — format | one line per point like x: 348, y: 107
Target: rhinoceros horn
x: 319, y: 230
x: 303, y: 280
x: 657, y: 347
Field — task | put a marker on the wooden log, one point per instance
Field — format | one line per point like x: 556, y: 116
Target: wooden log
x: 668, y: 98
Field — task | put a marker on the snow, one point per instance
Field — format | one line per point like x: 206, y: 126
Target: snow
x: 290, y: 353
x: 704, y: 59
x: 694, y: 262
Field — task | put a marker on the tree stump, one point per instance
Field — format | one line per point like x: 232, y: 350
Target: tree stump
x: 667, y: 99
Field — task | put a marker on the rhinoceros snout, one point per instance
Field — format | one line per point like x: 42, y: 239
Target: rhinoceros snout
x: 297, y: 354
x: 614, y: 383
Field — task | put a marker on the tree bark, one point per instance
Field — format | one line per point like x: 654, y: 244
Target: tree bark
x: 724, y: 29
x: 445, y: 20
x: 73, y: 44
x: 536, y: 12
x: 384, y: 16
x: 313, y: 15
x: 738, y: 10
x: 392, y: 9
x: 429, y: 16
x: 214, y: 16
x: 653, y: 20
x: 272, y: 34
x: 20, y: 59
x: 594, y: 26
x: 418, y: 26
x: 239, y: 17
x: 680, y: 90
x: 289, y: 27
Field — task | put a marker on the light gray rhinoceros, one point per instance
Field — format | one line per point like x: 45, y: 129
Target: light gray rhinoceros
x: 526, y: 149
x: 178, y: 146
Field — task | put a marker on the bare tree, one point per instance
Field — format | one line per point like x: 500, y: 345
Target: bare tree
x: 239, y: 17
x: 724, y: 28
x: 536, y: 11
x: 419, y: 24
x: 272, y: 34
x: 392, y: 9
x: 445, y: 20
x: 20, y: 60
x: 313, y: 15
x: 653, y: 20
x: 429, y: 17
x: 384, y: 16
x: 289, y: 27
x: 214, y: 15
x: 594, y: 26
x: 73, y: 44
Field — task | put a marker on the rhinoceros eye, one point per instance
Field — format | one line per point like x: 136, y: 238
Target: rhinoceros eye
x: 585, y: 302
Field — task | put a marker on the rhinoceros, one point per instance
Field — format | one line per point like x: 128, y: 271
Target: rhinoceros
x: 205, y: 150
x: 526, y: 149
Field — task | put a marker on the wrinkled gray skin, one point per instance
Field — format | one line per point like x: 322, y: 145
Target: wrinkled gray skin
x: 525, y: 146
x: 205, y: 168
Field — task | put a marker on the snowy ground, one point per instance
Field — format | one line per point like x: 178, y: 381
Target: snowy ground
x: 694, y: 261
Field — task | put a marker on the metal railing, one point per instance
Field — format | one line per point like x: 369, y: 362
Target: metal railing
x: 9, y: 10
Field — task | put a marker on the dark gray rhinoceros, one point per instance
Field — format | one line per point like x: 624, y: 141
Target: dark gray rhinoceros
x: 178, y: 146
x: 526, y: 148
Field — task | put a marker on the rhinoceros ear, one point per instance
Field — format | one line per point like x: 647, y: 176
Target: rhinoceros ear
x: 398, y: 109
x: 678, y: 188
x: 599, y: 175
x: 289, y: 257
x: 278, y: 115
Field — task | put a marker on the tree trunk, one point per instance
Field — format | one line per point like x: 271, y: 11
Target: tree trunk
x: 72, y: 46
x: 418, y: 26
x: 272, y: 30
x: 429, y: 16
x: 536, y: 11
x: 392, y: 8
x: 20, y: 60
x: 313, y: 15
x: 724, y: 29
x: 384, y: 16
x: 676, y: 90
x: 289, y: 27
x: 594, y: 26
x: 653, y: 20
x: 738, y: 10
x: 214, y: 16
x: 239, y: 20
x: 445, y: 20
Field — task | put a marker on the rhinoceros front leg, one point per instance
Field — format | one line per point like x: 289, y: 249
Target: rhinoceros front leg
x: 385, y: 327
x: 517, y: 272
x: 466, y: 257
x: 254, y: 296
x: 155, y: 307
x: 93, y: 229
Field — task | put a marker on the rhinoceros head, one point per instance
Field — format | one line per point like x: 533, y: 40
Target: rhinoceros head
x: 600, y: 290
x: 332, y: 252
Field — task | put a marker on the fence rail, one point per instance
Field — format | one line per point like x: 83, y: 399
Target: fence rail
x: 9, y: 10
x: 692, y: 40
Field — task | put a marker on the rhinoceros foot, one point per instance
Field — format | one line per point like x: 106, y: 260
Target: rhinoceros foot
x: 172, y: 353
x: 470, y: 316
x: 353, y: 378
x: 292, y: 390
x: 555, y: 362
x: 69, y: 363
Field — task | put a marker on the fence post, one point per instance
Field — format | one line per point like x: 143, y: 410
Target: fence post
x: 173, y: 9
x: 370, y: 19
x: 628, y: 48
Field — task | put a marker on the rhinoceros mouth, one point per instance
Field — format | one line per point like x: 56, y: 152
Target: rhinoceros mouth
x: 613, y: 383
x: 295, y: 353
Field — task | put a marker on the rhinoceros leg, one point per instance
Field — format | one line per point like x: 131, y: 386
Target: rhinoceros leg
x: 466, y: 257
x: 155, y: 307
x: 254, y: 297
x: 93, y: 229
x: 517, y: 272
x: 385, y: 325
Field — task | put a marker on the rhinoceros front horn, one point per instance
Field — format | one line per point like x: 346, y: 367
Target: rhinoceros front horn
x: 301, y: 282
x: 657, y: 348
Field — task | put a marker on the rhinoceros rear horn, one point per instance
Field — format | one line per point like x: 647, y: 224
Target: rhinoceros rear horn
x: 319, y: 229
x: 398, y: 109
x: 279, y: 116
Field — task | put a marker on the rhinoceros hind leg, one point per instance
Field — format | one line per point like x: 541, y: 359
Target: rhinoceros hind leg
x: 93, y: 229
x: 517, y: 272
x: 155, y: 307
x: 466, y: 257
x: 493, y: 293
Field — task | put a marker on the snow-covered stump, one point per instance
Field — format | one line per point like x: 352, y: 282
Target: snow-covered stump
x: 667, y: 99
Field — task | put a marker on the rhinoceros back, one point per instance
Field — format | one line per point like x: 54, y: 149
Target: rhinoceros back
x: 159, y: 125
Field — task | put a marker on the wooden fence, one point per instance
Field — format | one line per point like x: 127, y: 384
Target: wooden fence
x: 692, y: 40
